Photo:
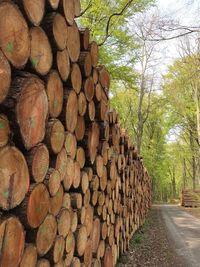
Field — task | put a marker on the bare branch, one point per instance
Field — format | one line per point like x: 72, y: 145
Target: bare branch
x: 86, y: 9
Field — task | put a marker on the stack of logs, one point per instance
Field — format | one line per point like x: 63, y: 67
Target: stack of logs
x: 73, y: 190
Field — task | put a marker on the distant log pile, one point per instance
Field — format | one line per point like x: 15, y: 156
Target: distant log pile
x: 190, y: 198
x: 73, y: 190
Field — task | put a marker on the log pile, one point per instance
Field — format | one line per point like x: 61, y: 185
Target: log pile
x: 73, y: 190
x: 190, y: 198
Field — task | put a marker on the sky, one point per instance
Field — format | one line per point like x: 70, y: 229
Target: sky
x: 187, y: 12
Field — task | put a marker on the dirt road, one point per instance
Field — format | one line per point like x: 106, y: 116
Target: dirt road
x: 184, y: 231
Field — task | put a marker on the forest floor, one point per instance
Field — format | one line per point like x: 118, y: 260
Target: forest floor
x: 151, y: 246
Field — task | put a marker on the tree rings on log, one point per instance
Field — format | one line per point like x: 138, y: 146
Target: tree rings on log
x: 64, y: 222
x: 55, y: 135
x: 29, y: 257
x: 14, y: 34
x: 46, y: 235
x: 89, y: 88
x: 61, y: 163
x: 93, y: 141
x: 73, y: 43
x: 41, y: 55
x: 63, y: 64
x: 12, y: 242
x: 82, y: 104
x: 81, y: 240
x: 80, y: 128
x: 76, y: 78
x: 108, y: 258
x: 94, y: 51
x: 68, y: 8
x: 70, y: 144
x: 14, y: 182
x: 71, y: 111
x: 77, y: 8
x: 32, y: 110
x: 37, y: 206
x: 5, y: 76
x: 38, y: 162
x: 56, y: 28
x: 43, y: 263
x: 4, y: 130
x: 53, y: 4
x: 34, y: 10
x: 56, y: 202
x: 55, y: 94
x: 53, y: 181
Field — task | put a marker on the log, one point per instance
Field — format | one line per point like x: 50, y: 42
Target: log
x: 89, y: 213
x: 81, y: 240
x: 56, y: 202
x: 56, y: 252
x: 95, y: 75
x: 4, y: 130
x: 73, y: 43
x: 85, y: 63
x: 82, y: 104
x: 34, y: 10
x: 87, y: 257
x: 27, y: 98
x: 61, y: 163
x: 70, y: 144
x: 55, y: 26
x: 64, y: 222
x: 80, y: 128
x: 55, y: 136
x: 41, y: 55
x: 108, y: 258
x: 93, y: 141
x: 12, y: 242
x: 38, y: 162
x: 14, y: 34
x: 94, y: 51
x: 53, y: 4
x: 89, y: 88
x: 66, y: 201
x: 52, y: 181
x: 95, y: 235
x: 61, y: 263
x: 77, y: 8
x: 76, y: 78
x: 35, y: 206
x: 80, y: 156
x: 29, y: 257
x: 76, y: 262
x: 98, y: 93
x: 5, y: 76
x: 84, y: 38
x: 68, y: 180
x: 14, y: 181
x: 54, y: 94
x: 46, y: 235
x: 74, y: 221
x: 68, y: 8
x: 91, y: 111
x: 104, y: 78
x: 63, y: 64
x: 77, y: 175
x: 43, y: 263
x: 69, y: 248
x: 84, y: 182
x: 71, y: 110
